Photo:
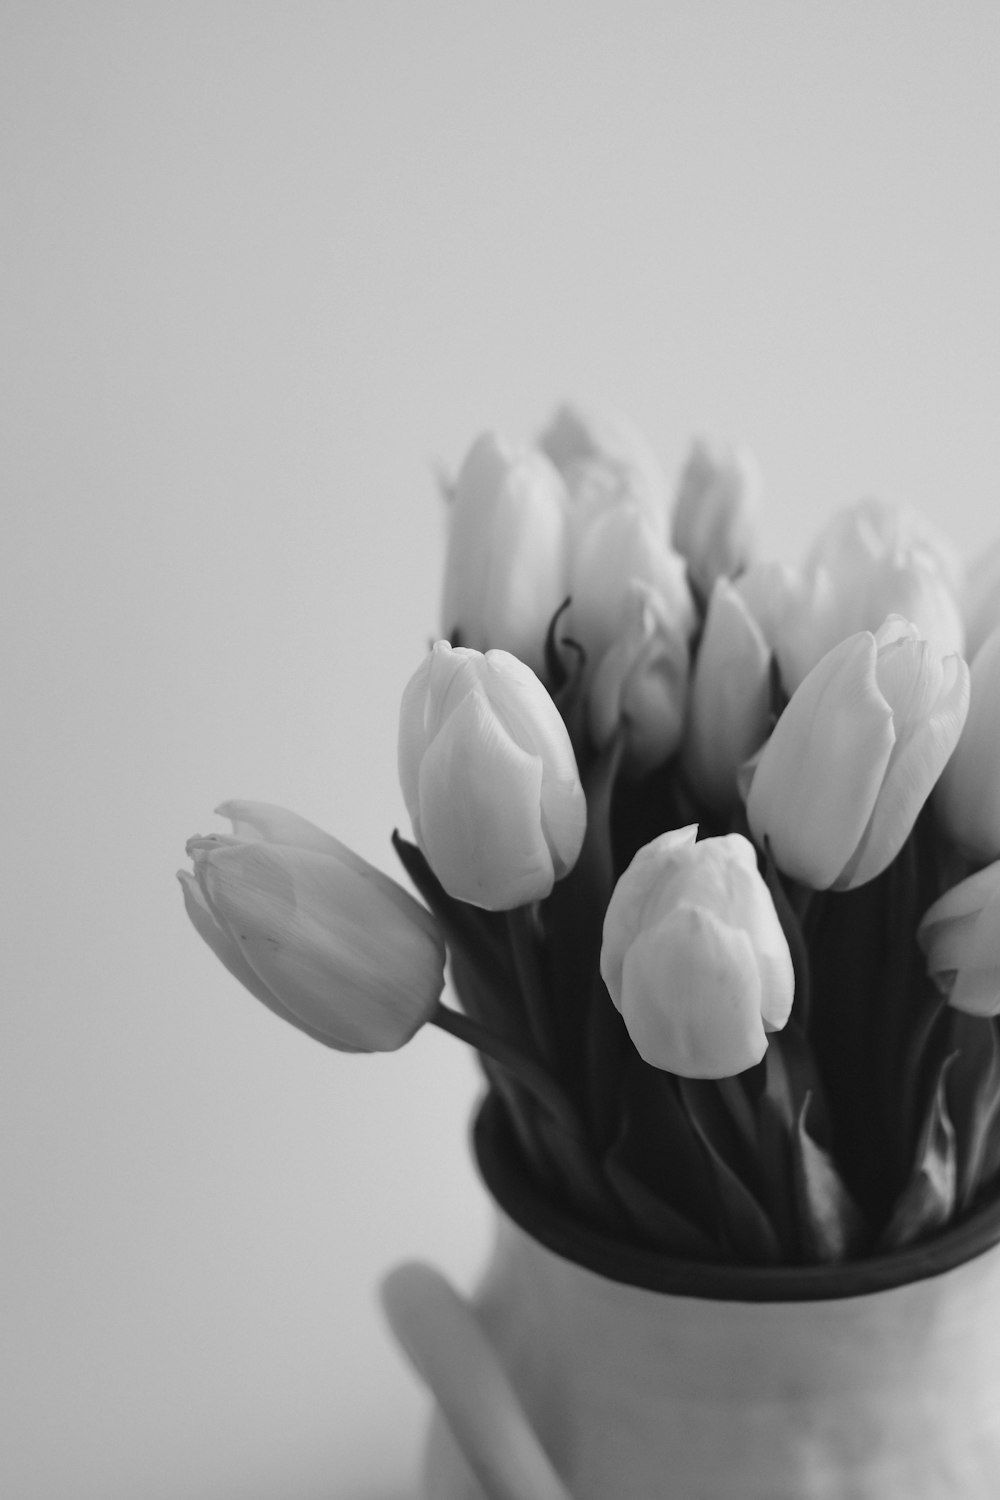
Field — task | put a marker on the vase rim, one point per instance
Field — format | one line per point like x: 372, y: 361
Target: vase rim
x: 521, y: 1199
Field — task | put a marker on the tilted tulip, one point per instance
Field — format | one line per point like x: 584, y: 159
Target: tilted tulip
x: 489, y: 777
x: 582, y: 441
x: 640, y: 685
x: 854, y: 755
x: 960, y: 936
x: 716, y: 513
x: 872, y: 560
x: 506, y: 566
x: 730, y: 704
x: 312, y: 930
x: 694, y: 956
x: 967, y: 799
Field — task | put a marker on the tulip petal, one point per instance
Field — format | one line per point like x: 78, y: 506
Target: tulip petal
x: 929, y: 701
x: 328, y: 943
x: 228, y: 951
x: 627, y: 908
x: 488, y: 850
x: 730, y: 698
x: 692, y: 996
x: 818, y: 777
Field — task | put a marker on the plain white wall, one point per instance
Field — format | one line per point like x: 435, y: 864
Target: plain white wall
x: 260, y: 267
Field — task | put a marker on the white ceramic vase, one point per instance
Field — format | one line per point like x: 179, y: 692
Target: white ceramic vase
x: 880, y: 1381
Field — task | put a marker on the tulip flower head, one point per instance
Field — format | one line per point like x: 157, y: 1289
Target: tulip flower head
x: 967, y: 800
x: 694, y: 956
x: 851, y: 761
x: 489, y: 777
x: 316, y: 933
x: 640, y: 685
x: 730, y: 698
x: 960, y: 936
x: 717, y: 513
x: 506, y: 566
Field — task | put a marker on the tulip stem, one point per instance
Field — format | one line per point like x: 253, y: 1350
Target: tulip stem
x: 524, y: 1068
x: 525, y: 955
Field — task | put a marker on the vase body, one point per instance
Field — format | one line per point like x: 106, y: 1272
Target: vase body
x: 637, y: 1394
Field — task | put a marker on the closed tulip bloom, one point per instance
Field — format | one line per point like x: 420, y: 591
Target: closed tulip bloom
x: 640, y: 686
x: 694, y: 956
x: 730, y: 703
x: 489, y: 777
x: 717, y: 513
x: 506, y: 565
x: 614, y: 547
x: 853, y: 757
x: 960, y: 936
x: 316, y: 933
x: 967, y: 799
x: 580, y: 439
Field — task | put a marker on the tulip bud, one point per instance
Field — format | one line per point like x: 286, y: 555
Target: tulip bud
x: 730, y: 698
x: 506, y: 566
x: 640, y: 684
x: 716, y: 513
x: 316, y: 933
x: 960, y: 936
x: 852, y: 759
x: 489, y: 778
x: 967, y: 799
x: 981, y: 599
x: 694, y: 956
x: 579, y: 440
x: 614, y: 547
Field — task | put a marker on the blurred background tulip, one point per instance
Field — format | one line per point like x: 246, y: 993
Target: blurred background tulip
x: 489, y: 777
x: 316, y: 933
x: 506, y: 565
x: 960, y: 936
x: 614, y: 546
x: 871, y: 560
x: 717, y: 512
x: 730, y: 704
x: 855, y: 754
x: 579, y: 439
x: 641, y: 685
x: 694, y: 956
x: 967, y: 800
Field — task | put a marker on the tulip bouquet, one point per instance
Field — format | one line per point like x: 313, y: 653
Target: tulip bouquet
x: 712, y: 845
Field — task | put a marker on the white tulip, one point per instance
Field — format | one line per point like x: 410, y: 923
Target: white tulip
x: 717, y: 512
x: 489, y: 777
x: 313, y: 931
x: 694, y: 956
x: 967, y: 799
x: 855, y: 754
x: 506, y: 565
x: 640, y: 685
x: 960, y: 936
x: 730, y: 703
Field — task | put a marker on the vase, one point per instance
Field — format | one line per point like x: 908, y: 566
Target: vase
x: 589, y: 1369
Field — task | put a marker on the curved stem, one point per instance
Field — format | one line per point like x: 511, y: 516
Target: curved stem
x: 524, y: 1068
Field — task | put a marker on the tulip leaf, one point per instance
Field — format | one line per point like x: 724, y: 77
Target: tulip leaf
x: 747, y: 1227
x: 659, y: 1224
x: 831, y: 1226
x: 927, y: 1202
x: 973, y: 1094
x: 557, y: 672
